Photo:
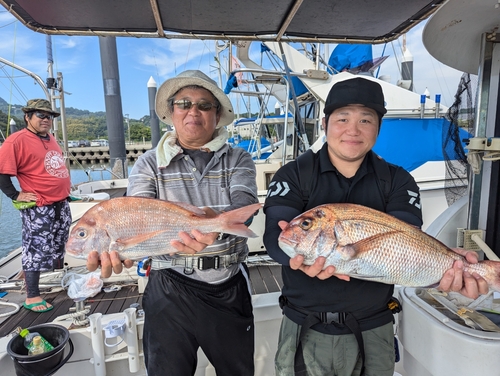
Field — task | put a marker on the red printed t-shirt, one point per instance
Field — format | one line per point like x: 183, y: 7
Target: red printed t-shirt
x: 38, y: 165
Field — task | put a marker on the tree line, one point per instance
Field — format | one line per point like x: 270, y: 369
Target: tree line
x: 85, y: 125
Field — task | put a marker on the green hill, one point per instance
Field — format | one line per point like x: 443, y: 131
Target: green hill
x: 16, y: 110
x: 80, y: 124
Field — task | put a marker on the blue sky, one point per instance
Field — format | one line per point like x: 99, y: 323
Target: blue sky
x: 139, y: 59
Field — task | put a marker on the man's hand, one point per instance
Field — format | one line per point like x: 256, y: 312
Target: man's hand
x: 195, y: 243
x: 316, y: 269
x: 26, y: 197
x: 108, y: 261
x: 458, y: 280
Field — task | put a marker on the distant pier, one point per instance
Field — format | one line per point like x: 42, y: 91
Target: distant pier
x: 100, y: 154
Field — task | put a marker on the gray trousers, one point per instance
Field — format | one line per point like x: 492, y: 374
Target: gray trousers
x: 336, y: 355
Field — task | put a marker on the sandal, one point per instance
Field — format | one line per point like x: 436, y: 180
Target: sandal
x: 33, y: 305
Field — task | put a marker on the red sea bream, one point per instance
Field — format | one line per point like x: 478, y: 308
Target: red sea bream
x: 367, y: 244
x: 139, y: 227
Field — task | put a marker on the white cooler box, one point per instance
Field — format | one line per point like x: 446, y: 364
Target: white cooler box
x: 435, y: 345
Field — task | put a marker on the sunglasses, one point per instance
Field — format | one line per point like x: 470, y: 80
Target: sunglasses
x: 185, y: 104
x: 42, y: 116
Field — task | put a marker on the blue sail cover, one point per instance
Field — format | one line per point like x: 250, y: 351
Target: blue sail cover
x: 410, y: 143
x: 298, y: 87
x: 231, y: 83
x: 350, y: 56
x: 250, y: 145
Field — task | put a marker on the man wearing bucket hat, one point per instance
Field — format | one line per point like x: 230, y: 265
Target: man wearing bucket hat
x: 33, y: 156
x: 341, y: 326
x: 200, y: 296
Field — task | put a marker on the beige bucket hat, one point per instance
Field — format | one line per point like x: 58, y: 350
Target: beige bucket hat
x: 39, y: 105
x: 187, y: 78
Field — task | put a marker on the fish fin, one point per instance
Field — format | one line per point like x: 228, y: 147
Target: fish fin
x: 340, y: 234
x: 493, y: 278
x: 125, y: 243
x: 234, y: 220
x: 241, y: 230
x: 354, y: 250
x: 194, y: 209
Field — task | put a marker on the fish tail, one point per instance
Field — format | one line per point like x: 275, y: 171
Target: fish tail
x: 234, y: 220
x: 493, y: 274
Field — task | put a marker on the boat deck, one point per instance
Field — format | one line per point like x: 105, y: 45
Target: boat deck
x: 264, y: 278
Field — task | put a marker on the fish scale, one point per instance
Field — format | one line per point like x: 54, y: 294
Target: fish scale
x: 368, y: 244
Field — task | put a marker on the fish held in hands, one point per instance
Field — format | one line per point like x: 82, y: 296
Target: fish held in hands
x: 371, y: 245
x: 138, y: 227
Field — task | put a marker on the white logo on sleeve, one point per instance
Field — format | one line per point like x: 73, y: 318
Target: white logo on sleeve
x: 277, y: 188
x: 414, y: 198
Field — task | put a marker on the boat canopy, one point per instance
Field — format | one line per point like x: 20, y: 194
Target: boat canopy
x: 328, y: 21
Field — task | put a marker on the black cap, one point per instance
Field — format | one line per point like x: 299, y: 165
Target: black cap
x: 356, y: 91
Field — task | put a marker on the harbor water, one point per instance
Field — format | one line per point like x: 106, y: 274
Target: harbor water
x: 10, y: 220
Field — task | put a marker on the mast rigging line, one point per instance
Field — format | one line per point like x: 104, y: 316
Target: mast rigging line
x: 37, y: 78
x: 13, y: 82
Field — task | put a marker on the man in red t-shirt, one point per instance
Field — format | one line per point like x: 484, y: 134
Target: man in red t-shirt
x: 33, y: 156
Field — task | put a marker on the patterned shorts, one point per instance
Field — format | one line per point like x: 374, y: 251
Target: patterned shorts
x: 45, y: 231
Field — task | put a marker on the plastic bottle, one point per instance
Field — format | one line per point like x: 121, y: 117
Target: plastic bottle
x: 28, y: 340
x: 37, y: 346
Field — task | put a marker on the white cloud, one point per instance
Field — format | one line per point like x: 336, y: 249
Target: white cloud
x: 168, y: 57
x: 69, y: 42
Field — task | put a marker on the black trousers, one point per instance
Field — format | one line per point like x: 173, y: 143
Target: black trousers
x: 182, y: 314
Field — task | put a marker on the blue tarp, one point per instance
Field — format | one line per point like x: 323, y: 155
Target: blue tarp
x: 350, y: 56
x: 410, y: 143
x: 251, y: 145
x: 232, y: 82
x: 298, y: 87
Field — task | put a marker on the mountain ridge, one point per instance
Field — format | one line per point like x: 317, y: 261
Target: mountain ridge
x: 16, y: 110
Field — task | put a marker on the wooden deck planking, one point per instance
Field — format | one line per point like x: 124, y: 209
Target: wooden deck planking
x: 133, y: 297
x: 102, y: 302
x: 269, y: 276
x: 264, y: 279
x: 119, y: 303
x: 257, y: 286
x: 25, y: 318
x: 61, y: 303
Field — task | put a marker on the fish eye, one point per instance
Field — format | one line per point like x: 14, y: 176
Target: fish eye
x: 306, y: 224
x: 81, y: 233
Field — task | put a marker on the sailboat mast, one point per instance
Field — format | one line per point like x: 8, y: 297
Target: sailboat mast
x: 51, y: 82
x: 407, y: 65
x: 55, y: 86
x: 113, y: 104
